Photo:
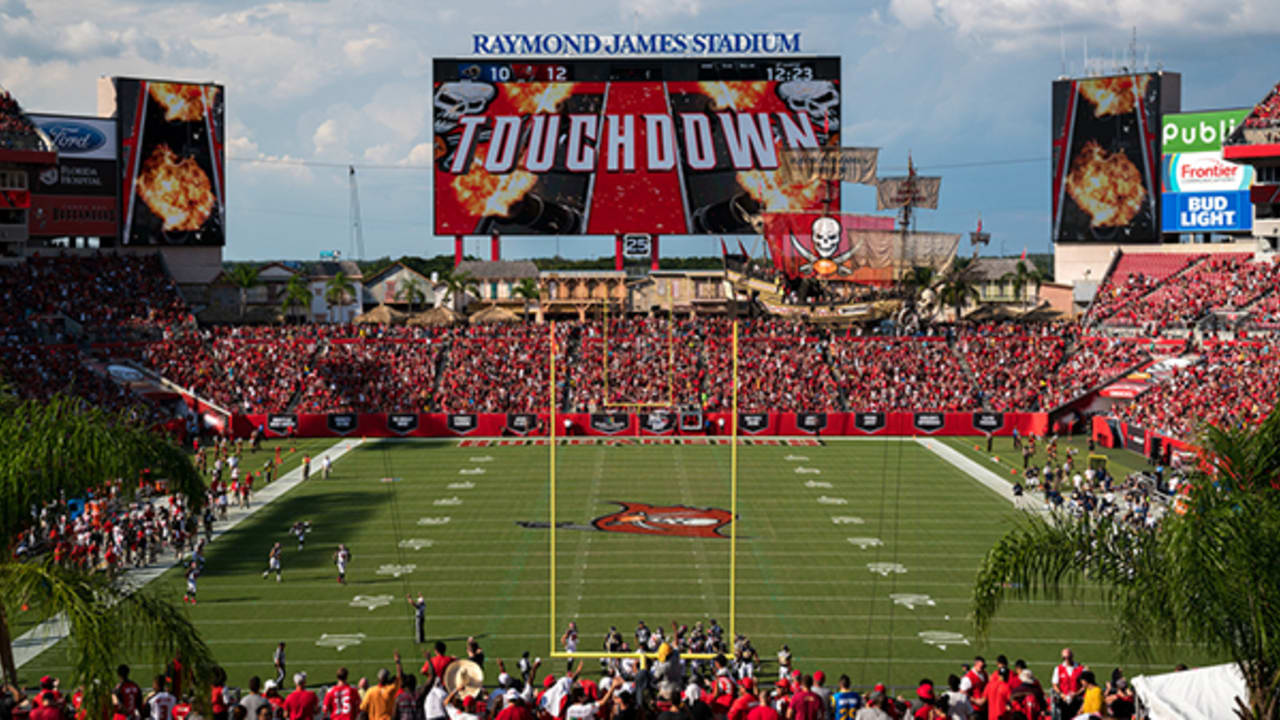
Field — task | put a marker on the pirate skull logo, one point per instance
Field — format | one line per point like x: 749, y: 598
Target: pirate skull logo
x: 825, y: 258
x: 819, y: 99
x: 455, y: 99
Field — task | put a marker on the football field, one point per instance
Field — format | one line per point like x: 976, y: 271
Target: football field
x: 859, y: 554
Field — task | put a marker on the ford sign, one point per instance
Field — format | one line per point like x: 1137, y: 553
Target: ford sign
x: 74, y: 138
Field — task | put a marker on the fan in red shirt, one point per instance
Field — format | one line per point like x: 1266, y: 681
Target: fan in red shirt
x: 342, y: 701
x: 128, y: 694
x: 805, y: 704
x: 514, y: 707
x: 997, y: 695
x: 746, y: 702
x: 762, y: 711
x: 301, y: 703
x: 438, y: 662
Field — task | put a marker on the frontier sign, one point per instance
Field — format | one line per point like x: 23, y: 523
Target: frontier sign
x: 572, y: 44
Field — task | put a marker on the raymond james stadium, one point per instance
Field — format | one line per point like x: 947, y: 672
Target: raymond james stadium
x: 778, y: 446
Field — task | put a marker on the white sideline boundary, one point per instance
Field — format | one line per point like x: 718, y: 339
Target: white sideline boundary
x: 985, y: 477
x: 53, y: 630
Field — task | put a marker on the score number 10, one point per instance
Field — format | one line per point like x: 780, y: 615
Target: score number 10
x: 526, y: 72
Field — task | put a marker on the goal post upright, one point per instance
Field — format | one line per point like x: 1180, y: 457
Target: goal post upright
x: 552, y: 525
x: 733, y: 494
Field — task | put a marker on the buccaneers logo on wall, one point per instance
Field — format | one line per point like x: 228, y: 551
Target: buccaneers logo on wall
x: 825, y: 259
x: 673, y: 520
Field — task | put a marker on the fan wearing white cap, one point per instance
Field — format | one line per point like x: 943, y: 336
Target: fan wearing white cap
x: 301, y: 704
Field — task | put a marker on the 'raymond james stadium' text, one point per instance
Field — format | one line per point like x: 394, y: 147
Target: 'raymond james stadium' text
x: 634, y: 44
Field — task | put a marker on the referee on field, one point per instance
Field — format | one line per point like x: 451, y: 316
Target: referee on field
x: 419, y: 617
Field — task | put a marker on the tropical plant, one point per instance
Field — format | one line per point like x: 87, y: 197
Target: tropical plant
x: 63, y: 448
x: 411, y: 293
x: 296, y: 296
x: 244, y: 277
x: 1208, y: 576
x: 1021, y: 277
x: 959, y: 286
x: 338, y: 291
x: 457, y: 284
x: 528, y: 290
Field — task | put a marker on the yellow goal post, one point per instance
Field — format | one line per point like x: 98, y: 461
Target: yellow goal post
x: 553, y: 626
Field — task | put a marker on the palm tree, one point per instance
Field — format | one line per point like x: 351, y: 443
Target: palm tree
x: 245, y: 277
x: 62, y: 445
x: 338, y: 291
x: 458, y: 283
x: 411, y: 293
x: 527, y: 289
x: 1208, y: 576
x: 1021, y: 277
x: 296, y: 296
x: 959, y: 285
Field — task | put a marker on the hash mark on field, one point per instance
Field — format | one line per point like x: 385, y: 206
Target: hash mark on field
x: 865, y: 542
x: 797, y: 458
x: 911, y: 600
x: 433, y: 520
x: 471, y: 471
x: 808, y: 471
x: 455, y: 500
x: 832, y: 500
x: 416, y: 543
x: 817, y: 484
x: 886, y: 569
x: 340, y: 642
x: 397, y: 570
x: 941, y: 639
x: 481, y: 458
x: 461, y: 485
x: 835, y: 519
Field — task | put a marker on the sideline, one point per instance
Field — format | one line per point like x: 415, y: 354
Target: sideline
x: 992, y: 481
x: 52, y: 631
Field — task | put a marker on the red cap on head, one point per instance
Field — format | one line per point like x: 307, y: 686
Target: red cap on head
x: 747, y: 684
x: 782, y: 683
x: 819, y: 677
x: 879, y: 687
x: 549, y: 681
x: 46, y: 680
x: 925, y: 691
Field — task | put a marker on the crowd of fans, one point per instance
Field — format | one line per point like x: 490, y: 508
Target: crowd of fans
x: 39, y: 372
x: 1012, y: 368
x: 650, y: 361
x: 1266, y: 114
x: 501, y: 369
x: 1231, y: 383
x: 1224, y: 282
x: 895, y: 374
x: 16, y: 130
x: 107, y: 297
x: 372, y: 376
x: 1135, y: 275
x: 1094, y: 361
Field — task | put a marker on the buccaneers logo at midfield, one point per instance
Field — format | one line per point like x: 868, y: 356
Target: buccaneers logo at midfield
x: 671, y: 520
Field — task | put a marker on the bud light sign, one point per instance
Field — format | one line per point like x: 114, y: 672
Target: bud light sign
x: 1207, y: 212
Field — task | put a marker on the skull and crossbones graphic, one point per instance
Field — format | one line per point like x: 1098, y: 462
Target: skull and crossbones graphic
x: 452, y: 101
x: 824, y: 259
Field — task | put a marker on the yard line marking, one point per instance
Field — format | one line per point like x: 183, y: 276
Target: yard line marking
x: 449, y: 501
x: 468, y: 485
x: 370, y: 602
x: 396, y: 570
x: 481, y: 458
x: 432, y: 521
x: 886, y: 569
x: 865, y: 542
x: 808, y: 471
x: 797, y: 458
x: 846, y: 520
x: 911, y: 600
x: 990, y: 480
x: 472, y: 471
x: 832, y: 500
x: 941, y: 639
x: 817, y: 484
x: 50, y: 632
x: 409, y: 544
x: 340, y: 642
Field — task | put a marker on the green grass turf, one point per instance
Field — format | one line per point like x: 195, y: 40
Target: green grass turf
x: 799, y: 579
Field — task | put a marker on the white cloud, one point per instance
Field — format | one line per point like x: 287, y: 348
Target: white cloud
x: 659, y: 9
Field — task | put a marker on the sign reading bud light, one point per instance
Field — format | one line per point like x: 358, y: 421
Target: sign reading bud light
x: 1202, y: 191
x: 1207, y: 212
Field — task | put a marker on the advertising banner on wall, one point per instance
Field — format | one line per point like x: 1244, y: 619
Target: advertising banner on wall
x: 609, y: 147
x: 78, y: 196
x: 831, y: 247
x: 1106, y: 156
x: 1202, y: 192
x: 171, y: 149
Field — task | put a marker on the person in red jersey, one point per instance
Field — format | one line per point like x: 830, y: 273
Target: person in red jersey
x: 745, y: 702
x: 514, y: 707
x: 762, y: 709
x: 342, y: 701
x: 47, y: 710
x: 128, y: 695
x: 805, y: 704
x: 974, y: 683
x: 439, y: 661
x: 1066, y: 685
x: 301, y: 703
x: 996, y: 695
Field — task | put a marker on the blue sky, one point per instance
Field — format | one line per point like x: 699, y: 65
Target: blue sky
x: 961, y: 84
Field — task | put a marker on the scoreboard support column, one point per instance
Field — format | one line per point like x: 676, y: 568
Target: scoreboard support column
x: 653, y: 252
x: 617, y: 252
x: 495, y: 248
x: 457, y: 251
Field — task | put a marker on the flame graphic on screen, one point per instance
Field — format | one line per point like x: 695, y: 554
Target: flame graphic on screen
x: 1114, y: 95
x: 485, y: 194
x: 764, y: 186
x: 1106, y: 185
x: 175, y: 189
x: 183, y: 103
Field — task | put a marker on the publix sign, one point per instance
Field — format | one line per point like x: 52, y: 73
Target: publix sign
x: 1199, y: 131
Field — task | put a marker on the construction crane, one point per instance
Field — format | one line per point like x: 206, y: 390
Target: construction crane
x: 353, y: 215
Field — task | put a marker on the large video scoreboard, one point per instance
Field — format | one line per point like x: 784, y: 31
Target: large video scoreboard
x: 615, y: 146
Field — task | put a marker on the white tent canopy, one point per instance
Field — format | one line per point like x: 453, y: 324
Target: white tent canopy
x: 1201, y: 694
